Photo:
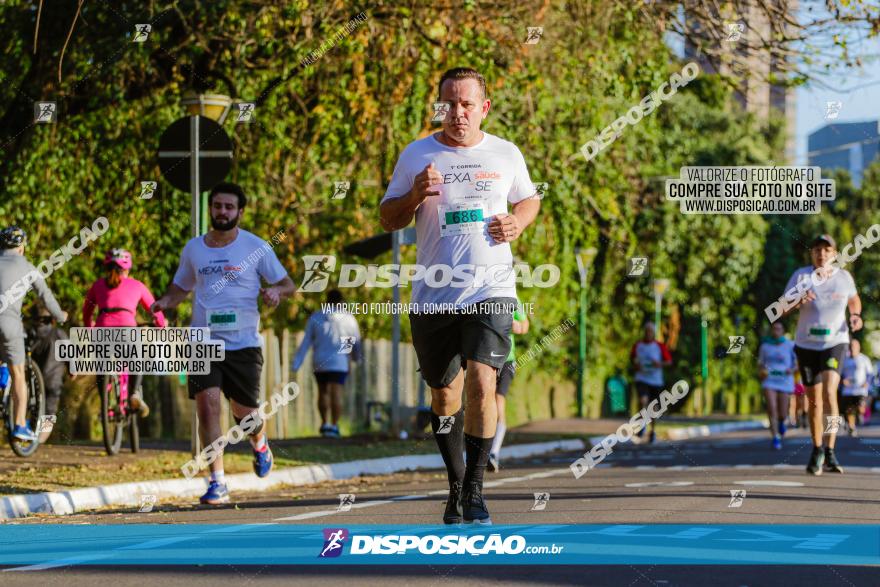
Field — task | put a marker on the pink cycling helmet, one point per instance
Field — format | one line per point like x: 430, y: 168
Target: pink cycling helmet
x: 118, y: 257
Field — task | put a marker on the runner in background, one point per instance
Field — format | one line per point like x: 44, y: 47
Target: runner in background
x: 117, y: 296
x: 226, y: 290
x: 820, y: 344
x: 856, y: 373
x: 46, y: 333
x: 799, y: 405
x: 335, y: 337
x: 648, y: 357
x: 505, y: 378
x: 777, y: 364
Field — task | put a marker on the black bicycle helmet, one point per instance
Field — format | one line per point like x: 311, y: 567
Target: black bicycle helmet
x: 12, y: 237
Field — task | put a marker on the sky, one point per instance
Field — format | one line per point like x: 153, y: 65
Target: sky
x: 859, y: 95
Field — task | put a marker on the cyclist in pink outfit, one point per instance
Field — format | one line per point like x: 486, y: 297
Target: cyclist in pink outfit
x: 117, y: 297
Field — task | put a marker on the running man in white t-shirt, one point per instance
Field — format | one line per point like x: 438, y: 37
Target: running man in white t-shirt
x: 777, y: 364
x: 458, y: 184
x: 821, y: 342
x: 856, y: 375
x: 225, y: 269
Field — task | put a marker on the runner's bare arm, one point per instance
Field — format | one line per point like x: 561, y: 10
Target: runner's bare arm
x: 521, y: 326
x: 855, y: 313
x: 273, y: 295
x: 506, y: 228
x: 397, y: 213
x: 172, y: 297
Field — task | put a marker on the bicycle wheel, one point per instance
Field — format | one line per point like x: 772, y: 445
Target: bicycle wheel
x: 134, y: 435
x: 112, y: 419
x: 36, y: 409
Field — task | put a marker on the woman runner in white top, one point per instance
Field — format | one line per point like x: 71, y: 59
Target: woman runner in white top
x: 777, y: 363
x: 821, y: 342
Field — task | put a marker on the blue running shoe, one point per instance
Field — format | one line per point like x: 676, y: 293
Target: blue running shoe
x: 216, y: 494
x: 24, y: 433
x: 263, y: 462
x: 325, y: 429
x: 777, y: 443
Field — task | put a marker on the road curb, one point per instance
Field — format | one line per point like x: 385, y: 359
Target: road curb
x: 710, y: 429
x: 686, y: 432
x: 129, y: 494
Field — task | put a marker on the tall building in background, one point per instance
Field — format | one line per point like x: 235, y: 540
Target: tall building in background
x: 753, y: 68
x: 846, y: 145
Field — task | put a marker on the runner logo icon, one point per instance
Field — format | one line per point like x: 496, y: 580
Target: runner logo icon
x: 318, y: 270
x: 346, y: 344
x: 445, y: 426
x: 737, y: 497
x: 148, y: 188
x: 736, y: 344
x: 141, y: 32
x: 333, y: 542
x: 44, y: 112
x: 534, y: 34
x: 832, y: 424
x: 340, y: 188
x: 541, y: 500
x: 637, y: 266
x: 346, y: 500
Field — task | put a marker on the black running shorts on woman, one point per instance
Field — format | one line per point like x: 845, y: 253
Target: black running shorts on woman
x: 443, y: 341
x: 238, y: 375
x: 812, y: 363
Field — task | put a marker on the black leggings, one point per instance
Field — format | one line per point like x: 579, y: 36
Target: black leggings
x: 134, y: 382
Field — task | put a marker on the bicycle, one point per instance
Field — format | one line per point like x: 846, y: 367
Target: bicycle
x: 117, y: 415
x: 36, y: 405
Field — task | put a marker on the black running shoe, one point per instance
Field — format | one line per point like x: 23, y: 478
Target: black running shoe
x: 473, y: 506
x: 817, y: 458
x: 452, y: 515
x: 832, y: 465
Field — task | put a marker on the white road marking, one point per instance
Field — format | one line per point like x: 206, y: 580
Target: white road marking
x: 766, y: 483
x: 62, y: 562
x: 661, y: 484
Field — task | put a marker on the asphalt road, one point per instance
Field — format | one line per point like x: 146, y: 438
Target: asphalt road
x: 687, y: 482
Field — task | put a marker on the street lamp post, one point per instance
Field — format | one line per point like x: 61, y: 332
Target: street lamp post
x: 660, y: 287
x: 704, y: 351
x: 584, y: 259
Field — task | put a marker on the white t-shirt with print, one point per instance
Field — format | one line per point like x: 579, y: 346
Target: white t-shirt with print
x: 477, y: 181
x: 822, y: 322
x: 778, y: 358
x: 226, y: 284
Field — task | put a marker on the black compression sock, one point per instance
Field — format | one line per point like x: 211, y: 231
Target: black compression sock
x: 477, y: 450
x: 449, y: 441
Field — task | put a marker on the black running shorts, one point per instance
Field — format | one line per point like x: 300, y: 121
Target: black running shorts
x: 237, y: 375
x: 478, y: 333
x: 505, y: 378
x: 812, y: 363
